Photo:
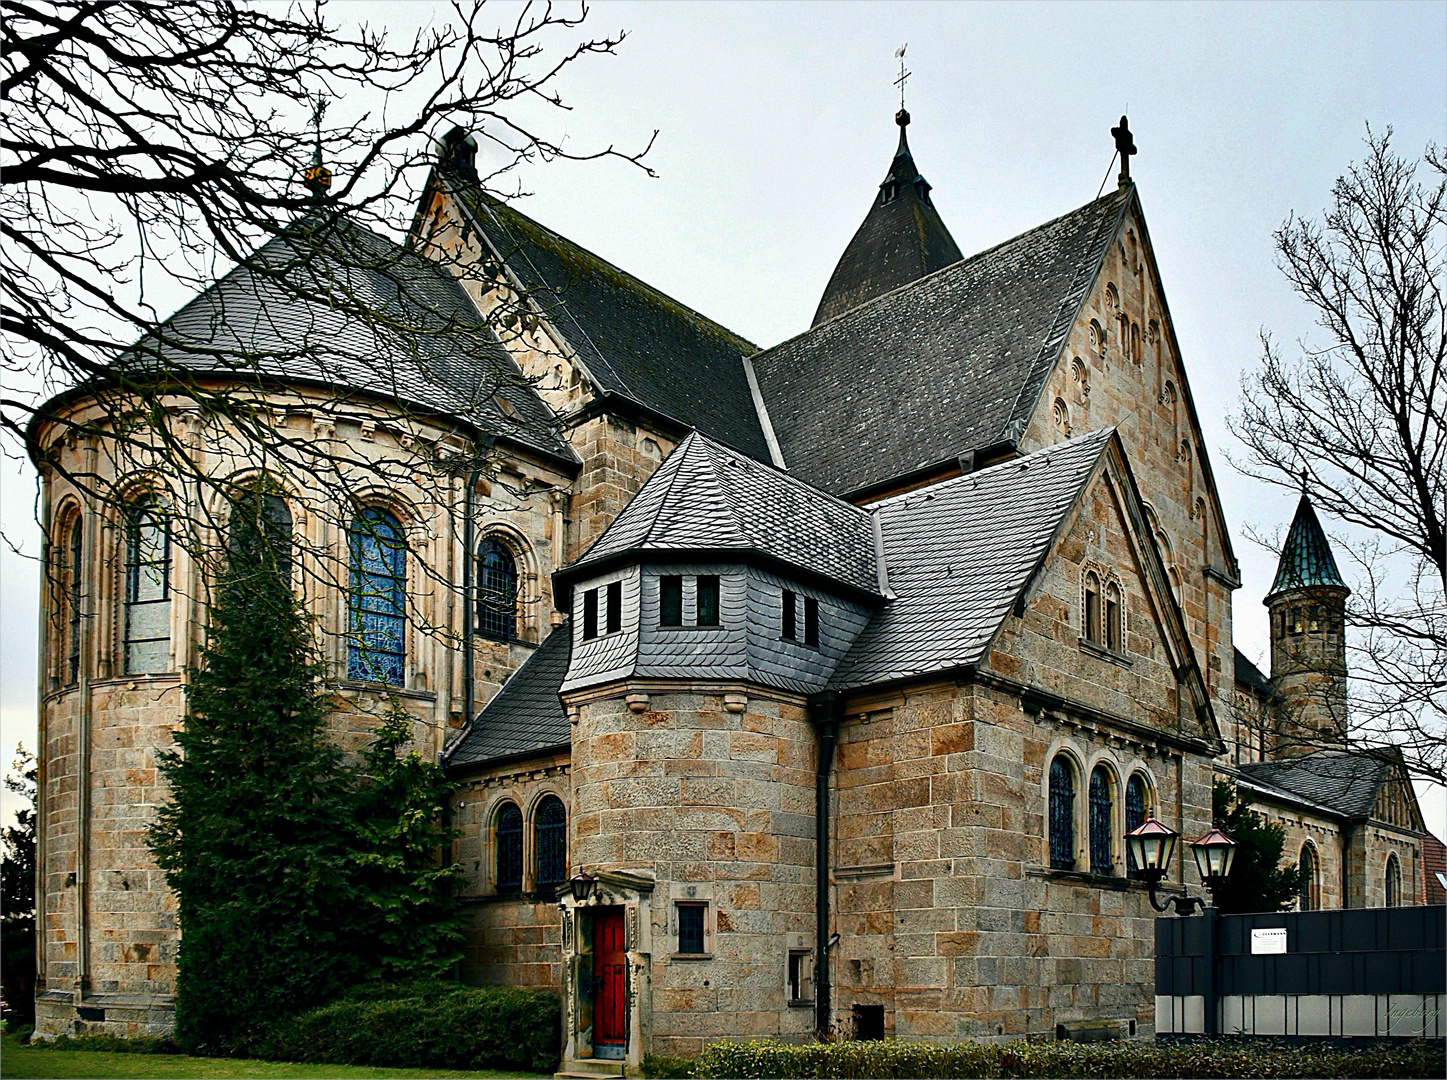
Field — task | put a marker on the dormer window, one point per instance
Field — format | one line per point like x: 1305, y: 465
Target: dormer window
x: 890, y: 191
x: 590, y: 614
x: 811, y: 621
x: 788, y: 630
x: 670, y: 600
x: 613, y: 620
x: 708, y: 600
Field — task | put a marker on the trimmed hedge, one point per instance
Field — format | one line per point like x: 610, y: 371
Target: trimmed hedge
x: 1202, y: 1058
x: 437, y: 1025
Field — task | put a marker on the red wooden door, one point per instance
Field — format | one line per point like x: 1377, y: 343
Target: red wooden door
x: 609, y: 967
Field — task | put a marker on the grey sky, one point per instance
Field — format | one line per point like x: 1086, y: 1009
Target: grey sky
x: 776, y: 124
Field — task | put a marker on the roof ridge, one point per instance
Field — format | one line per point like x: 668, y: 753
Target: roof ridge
x: 784, y: 474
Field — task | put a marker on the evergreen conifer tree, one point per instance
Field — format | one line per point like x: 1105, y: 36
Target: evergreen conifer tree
x: 1258, y: 881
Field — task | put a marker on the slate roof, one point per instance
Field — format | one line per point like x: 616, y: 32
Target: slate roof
x: 1434, y: 870
x: 958, y: 553
x: 526, y: 714
x: 358, y: 313
x: 901, y: 239
x: 1340, y: 780
x: 1250, y: 676
x: 950, y: 363
x: 707, y: 497
x: 1306, y: 557
x: 633, y: 340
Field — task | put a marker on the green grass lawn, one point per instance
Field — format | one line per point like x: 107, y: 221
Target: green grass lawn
x: 24, y: 1061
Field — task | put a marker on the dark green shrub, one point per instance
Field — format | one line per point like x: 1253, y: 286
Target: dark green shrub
x: 667, y: 1067
x: 1215, y: 1058
x: 431, y: 1025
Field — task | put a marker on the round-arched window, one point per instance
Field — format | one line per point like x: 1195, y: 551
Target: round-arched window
x: 1137, y: 801
x: 551, y: 832
x: 1100, y: 823
x: 497, y: 589
x: 260, y: 535
x: 377, y: 649
x: 1062, y: 814
x: 1309, y: 896
x: 509, y: 833
x: 1394, y: 882
x: 148, y: 589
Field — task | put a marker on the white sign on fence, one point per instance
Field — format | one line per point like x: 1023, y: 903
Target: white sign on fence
x: 1268, y: 941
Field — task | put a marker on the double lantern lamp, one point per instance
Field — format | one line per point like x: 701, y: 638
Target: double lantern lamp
x: 1152, y: 844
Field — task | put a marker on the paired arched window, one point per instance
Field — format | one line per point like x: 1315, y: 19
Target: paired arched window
x: 73, y: 570
x: 1137, y: 809
x: 550, y: 831
x: 497, y: 591
x: 1394, y: 882
x: 1309, y: 897
x: 260, y: 535
x: 509, y: 834
x: 376, y: 649
x: 1101, y: 812
x: 1113, y: 638
x: 1090, y: 615
x: 147, y: 644
x: 1062, y: 814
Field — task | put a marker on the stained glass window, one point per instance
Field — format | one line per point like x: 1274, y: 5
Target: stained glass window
x: 148, y: 593
x: 1135, y: 811
x: 497, y: 591
x: 551, y: 832
x: 1062, y: 814
x: 509, y: 848
x: 1100, y: 814
x: 377, y: 650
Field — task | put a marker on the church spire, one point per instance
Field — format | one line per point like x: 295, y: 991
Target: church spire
x: 901, y: 240
x: 1306, y: 558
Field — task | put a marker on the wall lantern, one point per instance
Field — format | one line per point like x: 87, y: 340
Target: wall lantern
x: 1214, y: 853
x: 584, y: 886
x: 1151, y: 845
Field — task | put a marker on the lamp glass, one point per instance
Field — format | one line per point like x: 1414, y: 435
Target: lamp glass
x: 1152, y: 844
x: 581, y: 883
x: 1214, y: 852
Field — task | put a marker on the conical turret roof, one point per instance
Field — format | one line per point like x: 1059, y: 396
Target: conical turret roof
x: 1306, y: 558
x: 901, y: 240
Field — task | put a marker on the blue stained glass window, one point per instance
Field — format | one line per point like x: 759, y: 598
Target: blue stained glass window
x: 509, y: 848
x: 1135, y: 811
x: 1062, y: 815
x: 551, y: 832
x: 497, y: 591
x: 1100, y: 808
x: 377, y: 649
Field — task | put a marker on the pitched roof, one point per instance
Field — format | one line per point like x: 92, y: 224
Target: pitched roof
x: 1250, y: 676
x: 707, y: 497
x: 335, y: 303
x: 957, y: 555
x: 526, y: 714
x: 634, y: 341
x: 1340, y: 780
x: 950, y: 363
x: 901, y: 239
x: 1306, y: 557
x: 1434, y: 870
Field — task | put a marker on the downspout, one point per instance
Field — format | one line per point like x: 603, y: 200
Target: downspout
x: 826, y: 710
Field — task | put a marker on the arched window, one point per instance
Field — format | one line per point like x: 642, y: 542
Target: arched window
x: 1309, y: 898
x: 1060, y: 414
x: 148, y: 589
x: 261, y: 532
x: 1137, y: 799
x: 1394, y: 882
x: 377, y: 651
x: 1135, y: 343
x: 1090, y: 615
x: 509, y: 833
x: 497, y: 591
x: 1062, y: 814
x: 1113, y: 638
x: 72, y: 602
x: 1100, y: 823
x: 550, y: 832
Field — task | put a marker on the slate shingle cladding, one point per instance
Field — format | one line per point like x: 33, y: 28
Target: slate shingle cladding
x: 359, y: 314
x: 948, y: 364
x: 1306, y: 558
x: 634, y: 341
x: 1345, y: 782
x: 958, y: 553
x: 901, y: 239
x: 526, y: 715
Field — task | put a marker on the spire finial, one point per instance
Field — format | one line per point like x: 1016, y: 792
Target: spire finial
x: 1125, y: 147
x: 902, y: 117
x: 317, y: 177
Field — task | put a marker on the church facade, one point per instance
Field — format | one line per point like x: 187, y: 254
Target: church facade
x: 818, y: 684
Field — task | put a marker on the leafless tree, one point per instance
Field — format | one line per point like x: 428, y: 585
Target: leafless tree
x: 1359, y: 421
x: 148, y: 149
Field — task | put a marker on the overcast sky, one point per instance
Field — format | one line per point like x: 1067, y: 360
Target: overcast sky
x: 776, y: 124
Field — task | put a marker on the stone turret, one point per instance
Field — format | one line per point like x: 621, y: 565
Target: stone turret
x: 1307, y: 603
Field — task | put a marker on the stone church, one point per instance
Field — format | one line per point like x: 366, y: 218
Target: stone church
x: 802, y: 689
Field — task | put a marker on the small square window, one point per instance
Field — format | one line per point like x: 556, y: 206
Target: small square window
x: 790, y: 622
x: 811, y: 621
x: 670, y: 600
x: 590, y: 614
x: 708, y: 600
x: 690, y: 928
x: 615, y: 607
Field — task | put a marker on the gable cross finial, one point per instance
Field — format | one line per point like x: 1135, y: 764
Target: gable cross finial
x: 1125, y: 147
x: 902, y: 117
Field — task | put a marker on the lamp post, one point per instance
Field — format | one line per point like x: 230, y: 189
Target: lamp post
x: 1152, y: 844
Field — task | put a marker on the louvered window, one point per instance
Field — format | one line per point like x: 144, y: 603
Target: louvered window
x: 497, y: 591
x: 1062, y: 815
x: 551, y: 833
x: 1100, y: 814
x: 376, y: 651
x: 1135, y: 811
x: 509, y: 848
x: 148, y: 590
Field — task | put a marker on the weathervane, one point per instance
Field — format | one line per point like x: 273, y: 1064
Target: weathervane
x: 902, y: 117
x: 317, y: 177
